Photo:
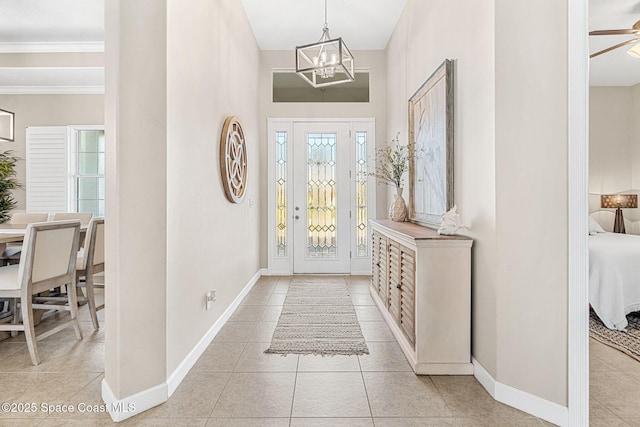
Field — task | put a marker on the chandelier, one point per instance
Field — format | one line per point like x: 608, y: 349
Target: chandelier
x: 327, y: 62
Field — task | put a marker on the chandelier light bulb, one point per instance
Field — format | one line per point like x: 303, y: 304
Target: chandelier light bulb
x: 634, y: 51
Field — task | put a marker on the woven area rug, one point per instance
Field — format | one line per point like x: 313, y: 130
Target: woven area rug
x: 318, y: 318
x: 627, y: 342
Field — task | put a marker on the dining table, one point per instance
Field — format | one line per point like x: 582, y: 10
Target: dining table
x: 14, y: 233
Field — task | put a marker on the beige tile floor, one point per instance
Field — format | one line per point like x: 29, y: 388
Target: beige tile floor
x: 614, y: 384
x: 235, y: 384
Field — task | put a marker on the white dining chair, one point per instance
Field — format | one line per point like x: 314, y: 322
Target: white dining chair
x: 24, y: 218
x: 90, y: 261
x: 49, y: 260
x: 83, y: 217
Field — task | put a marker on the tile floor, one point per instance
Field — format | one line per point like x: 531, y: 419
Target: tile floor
x: 235, y: 384
x: 614, y: 383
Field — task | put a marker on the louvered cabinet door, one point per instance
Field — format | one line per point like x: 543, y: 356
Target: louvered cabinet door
x: 394, y: 279
x: 375, y: 261
x: 379, y: 276
x: 407, y: 293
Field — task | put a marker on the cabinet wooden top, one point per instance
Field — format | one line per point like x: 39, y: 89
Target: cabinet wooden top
x: 415, y: 231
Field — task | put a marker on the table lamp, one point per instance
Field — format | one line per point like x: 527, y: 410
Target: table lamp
x: 619, y: 201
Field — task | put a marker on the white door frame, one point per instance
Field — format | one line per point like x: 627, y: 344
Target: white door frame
x: 283, y: 264
x: 578, y: 182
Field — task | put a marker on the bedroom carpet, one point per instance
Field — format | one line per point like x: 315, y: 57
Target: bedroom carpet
x: 318, y: 317
x: 627, y: 342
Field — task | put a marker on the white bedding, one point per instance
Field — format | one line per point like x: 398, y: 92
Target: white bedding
x: 614, y: 277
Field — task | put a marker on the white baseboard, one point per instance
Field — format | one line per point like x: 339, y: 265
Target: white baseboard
x: 361, y: 273
x: 277, y: 273
x: 121, y: 409
x: 484, y: 377
x: 188, y: 362
x: 529, y: 403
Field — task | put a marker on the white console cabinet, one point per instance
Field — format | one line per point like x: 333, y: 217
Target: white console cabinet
x: 421, y: 282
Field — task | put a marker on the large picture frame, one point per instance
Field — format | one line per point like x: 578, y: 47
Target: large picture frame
x: 431, y: 148
x: 7, y: 126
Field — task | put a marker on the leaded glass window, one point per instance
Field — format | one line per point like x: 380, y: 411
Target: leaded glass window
x: 361, y: 194
x: 281, y: 194
x: 321, y: 195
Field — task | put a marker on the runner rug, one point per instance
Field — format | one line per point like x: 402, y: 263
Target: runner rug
x: 627, y: 342
x: 318, y: 318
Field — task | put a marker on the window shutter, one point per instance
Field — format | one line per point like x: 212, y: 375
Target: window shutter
x: 47, y: 169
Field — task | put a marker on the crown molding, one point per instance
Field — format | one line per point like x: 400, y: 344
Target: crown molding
x: 51, y: 47
x: 51, y: 90
x: 51, y: 80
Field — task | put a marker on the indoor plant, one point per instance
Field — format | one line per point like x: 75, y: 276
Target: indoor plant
x: 392, y: 162
x: 8, y: 182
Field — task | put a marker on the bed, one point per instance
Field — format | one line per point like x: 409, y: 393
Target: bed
x: 614, y: 276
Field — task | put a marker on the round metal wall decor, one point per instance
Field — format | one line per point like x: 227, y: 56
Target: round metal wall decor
x: 233, y: 159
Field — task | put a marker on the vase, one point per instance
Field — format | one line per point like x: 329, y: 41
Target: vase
x: 398, y: 209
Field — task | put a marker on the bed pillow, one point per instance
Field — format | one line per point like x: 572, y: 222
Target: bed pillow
x: 594, y: 227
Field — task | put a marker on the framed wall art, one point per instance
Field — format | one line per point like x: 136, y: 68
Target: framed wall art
x: 233, y: 160
x: 431, y: 148
x: 7, y: 126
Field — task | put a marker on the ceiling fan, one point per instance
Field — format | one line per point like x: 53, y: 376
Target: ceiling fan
x: 634, y: 51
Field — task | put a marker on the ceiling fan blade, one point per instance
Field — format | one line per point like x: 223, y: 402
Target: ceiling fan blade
x: 614, y: 47
x: 611, y: 32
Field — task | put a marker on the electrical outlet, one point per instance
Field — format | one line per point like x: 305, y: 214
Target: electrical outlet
x: 210, y: 297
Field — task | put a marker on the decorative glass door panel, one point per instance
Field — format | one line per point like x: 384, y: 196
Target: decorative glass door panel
x: 321, y: 194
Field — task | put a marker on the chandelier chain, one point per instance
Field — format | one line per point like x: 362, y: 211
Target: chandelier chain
x: 326, y: 22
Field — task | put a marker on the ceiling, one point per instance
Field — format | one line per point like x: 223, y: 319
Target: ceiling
x: 362, y: 24
x: 51, y: 21
x: 614, y: 68
x: 78, y: 26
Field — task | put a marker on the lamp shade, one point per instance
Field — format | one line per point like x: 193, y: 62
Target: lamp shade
x: 619, y: 201
x: 7, y: 126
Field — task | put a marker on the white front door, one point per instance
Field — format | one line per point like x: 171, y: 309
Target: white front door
x: 320, y: 195
x: 321, y: 207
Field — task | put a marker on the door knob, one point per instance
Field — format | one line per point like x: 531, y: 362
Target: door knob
x: 297, y: 217
x: 297, y: 208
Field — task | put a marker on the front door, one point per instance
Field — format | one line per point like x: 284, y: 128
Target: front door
x: 321, y: 198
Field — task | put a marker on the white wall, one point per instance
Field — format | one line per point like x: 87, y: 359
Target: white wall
x: 531, y: 196
x: 136, y: 198
x: 427, y: 33
x: 614, y: 149
x: 213, y: 61
x: 610, y: 138
x: 173, y: 74
x: 510, y: 170
x: 46, y: 110
x: 635, y: 140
